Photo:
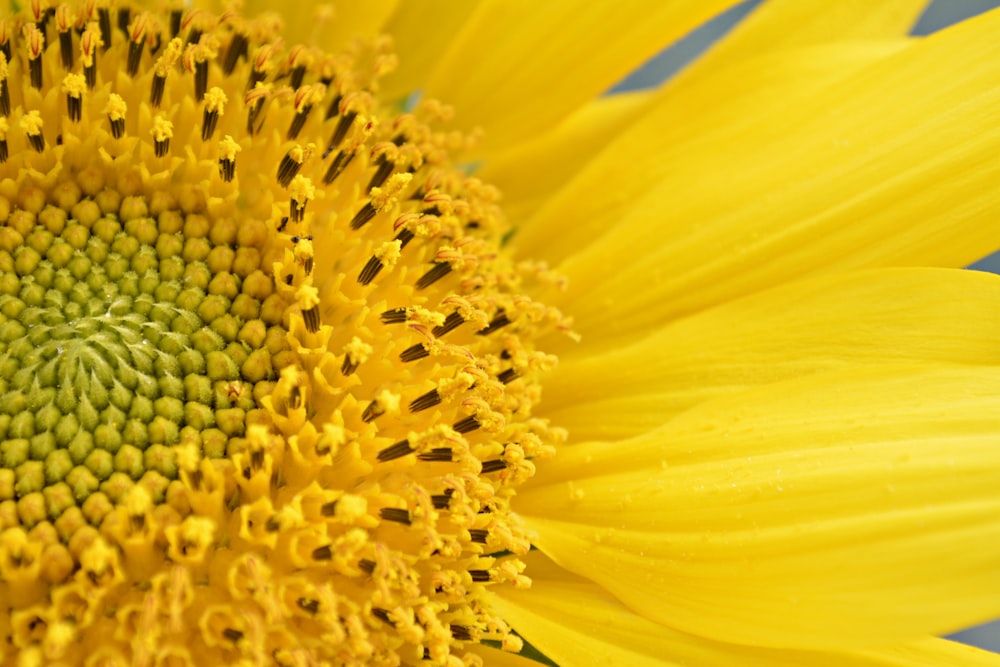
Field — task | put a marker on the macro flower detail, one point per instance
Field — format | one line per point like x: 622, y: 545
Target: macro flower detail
x: 279, y: 335
x: 267, y: 379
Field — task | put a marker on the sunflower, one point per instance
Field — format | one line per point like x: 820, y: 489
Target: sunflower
x: 284, y: 381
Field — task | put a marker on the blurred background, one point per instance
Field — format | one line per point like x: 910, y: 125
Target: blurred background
x: 939, y: 14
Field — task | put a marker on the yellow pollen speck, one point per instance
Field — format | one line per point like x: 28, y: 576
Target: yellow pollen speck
x: 31, y: 123
x: 215, y: 100
x: 168, y: 60
x: 74, y: 85
x: 162, y: 129
x: 116, y: 107
x: 228, y: 148
x: 34, y: 40
x: 386, y: 197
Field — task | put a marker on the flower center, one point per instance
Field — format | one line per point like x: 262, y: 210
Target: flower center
x: 266, y: 377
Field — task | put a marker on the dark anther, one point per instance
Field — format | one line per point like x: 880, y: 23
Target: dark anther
x: 4, y: 98
x: 452, y: 322
x: 123, y: 19
x: 209, y: 119
x: 311, y: 317
x: 289, y: 278
x: 3, y: 150
x: 35, y: 65
x: 323, y: 553
x: 297, y: 210
x: 505, y: 354
x: 66, y: 49
x: 494, y: 465
x: 298, y: 74
x: 59, y: 140
x: 283, y: 223
x: 383, y: 615
x: 227, y: 169
x: 404, y: 236
x: 256, y: 76
x: 343, y: 125
x: 232, y: 635
x: 372, y: 412
x: 370, y: 270
x: 328, y: 509
x: 399, y: 140
x: 137, y: 522
x: 467, y: 425
x: 104, y: 23
x: 363, y: 216
x: 349, y: 365
x: 194, y: 36
x: 37, y: 141
x: 134, y: 57
x: 287, y: 169
x: 90, y: 74
x: 156, y: 91
x: 237, y: 49
x: 433, y: 210
x: 427, y: 654
x: 308, y: 605
x: 395, y: 514
x: 273, y: 523
x: 436, y: 455
x: 340, y: 162
x: 498, y: 322
x: 383, y: 172
x: 394, y: 316
x: 428, y: 400
x: 508, y: 376
x: 367, y: 566
x: 334, y: 108
x: 440, y: 270
x: 117, y: 127
x: 74, y: 107
x: 480, y: 575
x: 298, y: 122
x: 175, y: 22
x: 441, y: 502
x: 460, y: 632
x: 400, y: 449
x: 200, y: 80
x: 414, y: 352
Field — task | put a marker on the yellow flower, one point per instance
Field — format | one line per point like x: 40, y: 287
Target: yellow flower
x: 278, y: 377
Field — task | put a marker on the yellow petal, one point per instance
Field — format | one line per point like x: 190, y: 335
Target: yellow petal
x: 529, y: 173
x: 735, y: 199
x: 869, y: 317
x: 496, y: 658
x: 841, y: 510
x: 701, y: 115
x: 769, y: 27
x: 519, y: 67
x: 422, y: 33
x: 330, y: 24
x: 575, y: 622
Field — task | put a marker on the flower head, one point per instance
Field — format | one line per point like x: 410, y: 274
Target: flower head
x: 268, y: 379
x: 271, y: 374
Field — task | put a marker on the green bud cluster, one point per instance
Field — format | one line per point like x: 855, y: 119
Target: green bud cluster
x: 123, y: 335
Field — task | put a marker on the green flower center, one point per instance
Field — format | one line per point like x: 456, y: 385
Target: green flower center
x: 124, y: 334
